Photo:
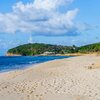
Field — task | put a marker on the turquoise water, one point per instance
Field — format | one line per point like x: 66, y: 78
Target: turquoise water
x: 20, y: 62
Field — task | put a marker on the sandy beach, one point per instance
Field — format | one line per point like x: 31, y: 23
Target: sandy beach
x: 76, y: 78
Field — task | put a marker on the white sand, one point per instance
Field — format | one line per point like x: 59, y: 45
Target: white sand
x: 67, y: 79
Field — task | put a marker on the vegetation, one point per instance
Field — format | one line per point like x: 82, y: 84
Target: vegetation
x: 89, y: 48
x: 39, y: 48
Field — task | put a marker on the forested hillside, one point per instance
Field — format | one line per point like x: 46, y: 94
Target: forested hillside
x: 40, y: 48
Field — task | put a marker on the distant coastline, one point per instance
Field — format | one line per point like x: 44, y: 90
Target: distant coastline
x: 48, y: 49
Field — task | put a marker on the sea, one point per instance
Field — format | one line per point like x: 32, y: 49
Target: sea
x: 9, y: 63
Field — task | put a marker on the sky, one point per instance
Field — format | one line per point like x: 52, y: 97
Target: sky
x: 61, y: 22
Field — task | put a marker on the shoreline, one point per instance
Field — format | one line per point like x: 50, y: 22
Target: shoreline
x: 32, y: 66
x: 69, y: 54
x: 59, y: 79
x: 26, y: 66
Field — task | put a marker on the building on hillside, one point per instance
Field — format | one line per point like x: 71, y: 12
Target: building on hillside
x: 49, y: 53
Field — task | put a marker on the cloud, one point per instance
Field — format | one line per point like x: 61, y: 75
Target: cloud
x: 41, y: 17
x: 50, y: 4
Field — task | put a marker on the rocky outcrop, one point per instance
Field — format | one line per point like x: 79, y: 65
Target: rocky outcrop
x: 11, y: 54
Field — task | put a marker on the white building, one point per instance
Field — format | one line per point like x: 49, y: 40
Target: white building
x: 49, y: 53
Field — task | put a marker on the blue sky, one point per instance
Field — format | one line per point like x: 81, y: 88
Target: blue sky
x: 65, y: 22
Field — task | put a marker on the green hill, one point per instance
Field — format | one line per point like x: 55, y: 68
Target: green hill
x: 89, y: 48
x: 40, y: 48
